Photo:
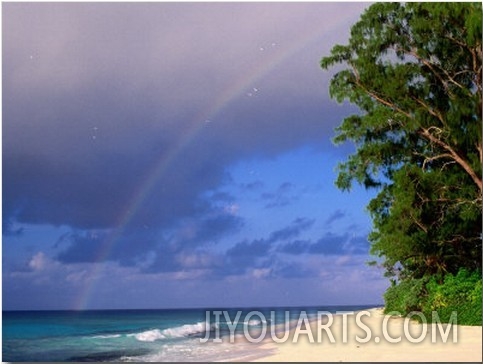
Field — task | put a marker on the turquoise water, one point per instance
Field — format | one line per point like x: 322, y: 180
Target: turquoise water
x: 138, y: 335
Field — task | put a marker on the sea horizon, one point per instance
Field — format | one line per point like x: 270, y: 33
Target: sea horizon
x: 370, y: 305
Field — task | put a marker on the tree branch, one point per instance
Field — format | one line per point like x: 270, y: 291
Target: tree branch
x: 424, y: 132
x: 454, y: 155
x: 420, y: 225
x: 436, y: 114
x: 377, y: 97
x: 436, y: 69
x: 430, y: 159
x: 480, y: 151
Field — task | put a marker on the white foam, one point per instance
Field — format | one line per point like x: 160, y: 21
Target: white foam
x: 185, y: 330
x: 253, y: 322
x: 150, y: 335
x: 173, y: 332
x: 113, y: 336
x: 193, y: 351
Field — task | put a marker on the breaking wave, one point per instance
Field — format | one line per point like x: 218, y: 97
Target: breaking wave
x: 174, y: 332
x: 113, y: 336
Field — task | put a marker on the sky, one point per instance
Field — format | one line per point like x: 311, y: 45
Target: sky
x: 177, y: 155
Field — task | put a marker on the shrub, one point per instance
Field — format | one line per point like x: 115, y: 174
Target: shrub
x: 460, y: 293
x: 405, y: 296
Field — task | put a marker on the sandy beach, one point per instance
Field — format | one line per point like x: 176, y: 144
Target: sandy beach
x: 463, y: 346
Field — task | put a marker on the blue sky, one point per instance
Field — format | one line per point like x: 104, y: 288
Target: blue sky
x: 165, y: 155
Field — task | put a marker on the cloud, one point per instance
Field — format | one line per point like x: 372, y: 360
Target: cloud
x: 246, y: 255
x: 261, y: 273
x: 221, y: 197
x: 105, y: 134
x: 95, y: 286
x: 252, y: 186
x: 9, y: 229
x: 197, y: 260
x: 38, y: 262
x: 212, y: 228
x: 336, y: 215
x: 294, y: 270
x: 283, y: 196
x: 104, y: 108
x: 163, y: 260
x: 329, y: 244
x: 146, y: 247
x: 278, y: 256
x: 359, y: 245
x: 98, y: 247
x: 83, y: 247
x: 295, y: 247
x: 260, y: 253
x: 295, y: 229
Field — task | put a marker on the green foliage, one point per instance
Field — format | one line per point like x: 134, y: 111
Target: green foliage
x: 405, y: 297
x: 418, y: 227
x: 418, y: 83
x: 415, y: 72
x: 460, y: 293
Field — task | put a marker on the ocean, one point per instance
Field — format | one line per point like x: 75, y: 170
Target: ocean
x: 144, y: 335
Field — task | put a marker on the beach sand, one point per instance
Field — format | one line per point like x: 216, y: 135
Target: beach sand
x: 466, y: 346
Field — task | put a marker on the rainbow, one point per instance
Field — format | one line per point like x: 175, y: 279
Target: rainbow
x: 241, y: 86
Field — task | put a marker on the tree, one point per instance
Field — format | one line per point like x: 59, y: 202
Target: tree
x: 415, y: 72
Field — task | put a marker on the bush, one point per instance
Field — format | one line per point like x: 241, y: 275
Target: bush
x: 405, y: 296
x: 460, y: 293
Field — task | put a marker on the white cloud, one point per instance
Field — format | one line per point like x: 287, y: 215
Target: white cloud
x: 38, y: 262
x: 232, y: 209
x: 261, y: 273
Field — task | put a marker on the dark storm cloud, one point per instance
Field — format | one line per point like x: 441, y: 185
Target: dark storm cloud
x: 95, y: 95
x: 105, y: 107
